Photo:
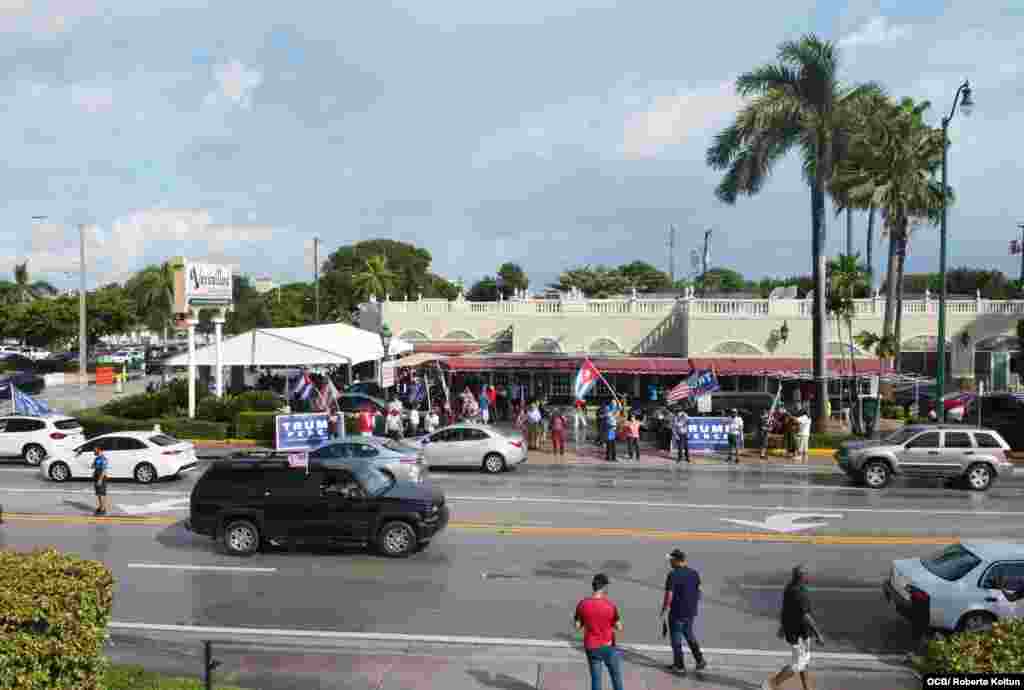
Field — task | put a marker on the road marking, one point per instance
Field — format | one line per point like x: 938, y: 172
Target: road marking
x: 787, y: 522
x: 215, y: 568
x: 156, y: 507
x: 507, y: 642
x: 727, y: 506
x: 828, y: 590
x: 125, y: 492
x: 815, y: 487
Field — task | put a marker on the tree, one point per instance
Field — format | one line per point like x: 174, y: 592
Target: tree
x: 603, y: 282
x: 291, y: 305
x: 645, y: 277
x: 721, y: 280
x: 884, y: 347
x: 483, y: 290
x: 376, y: 279
x: 847, y: 278
x: 249, y: 310
x: 109, y: 310
x: 513, y: 279
x: 26, y: 290
x: 798, y: 103
x: 892, y: 166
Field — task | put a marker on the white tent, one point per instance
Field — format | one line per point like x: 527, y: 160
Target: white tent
x: 332, y: 343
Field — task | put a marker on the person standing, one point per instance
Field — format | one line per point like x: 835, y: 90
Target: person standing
x: 432, y: 421
x: 365, y: 419
x: 679, y: 609
x: 803, y: 435
x: 558, y: 425
x: 598, y: 617
x: 797, y: 626
x: 485, y: 406
x: 99, y: 480
x: 681, y: 435
x: 414, y: 421
x: 533, y: 422
x: 735, y: 430
x: 394, y: 420
x: 765, y: 428
x: 633, y: 437
x: 492, y: 399
x: 611, y: 437
x: 580, y: 424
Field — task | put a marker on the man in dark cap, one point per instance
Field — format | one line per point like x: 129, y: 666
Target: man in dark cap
x: 682, y: 592
x: 797, y: 626
x: 598, y: 617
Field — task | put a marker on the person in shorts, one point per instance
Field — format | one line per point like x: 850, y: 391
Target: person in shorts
x: 99, y: 480
x: 797, y: 627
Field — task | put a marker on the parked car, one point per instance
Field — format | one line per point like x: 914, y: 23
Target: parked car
x: 1003, y: 412
x: 144, y: 456
x: 966, y: 586
x: 405, y: 461
x: 953, y: 452
x: 249, y: 503
x: 37, y: 438
x: 475, y: 446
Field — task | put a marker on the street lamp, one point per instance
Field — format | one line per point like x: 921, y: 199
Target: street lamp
x: 385, y: 341
x: 963, y: 99
x: 784, y: 331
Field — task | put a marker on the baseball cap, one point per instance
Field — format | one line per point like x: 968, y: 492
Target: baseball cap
x: 600, y: 581
x: 676, y: 555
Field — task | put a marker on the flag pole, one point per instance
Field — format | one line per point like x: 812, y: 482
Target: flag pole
x: 603, y: 379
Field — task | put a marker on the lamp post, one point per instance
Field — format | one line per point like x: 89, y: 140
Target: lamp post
x: 1020, y: 226
x: 963, y: 99
x: 385, y: 341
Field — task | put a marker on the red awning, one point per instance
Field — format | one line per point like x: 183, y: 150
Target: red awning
x: 437, y: 347
x: 776, y: 366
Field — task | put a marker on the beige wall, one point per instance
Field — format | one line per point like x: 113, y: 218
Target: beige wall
x: 687, y: 327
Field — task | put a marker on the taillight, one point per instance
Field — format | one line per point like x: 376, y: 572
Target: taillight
x: 917, y: 594
x: 56, y: 436
x: 517, y: 444
x: 171, y: 452
x: 409, y: 460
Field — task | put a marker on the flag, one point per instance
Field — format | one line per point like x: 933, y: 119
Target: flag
x: 296, y: 460
x: 29, y: 406
x: 680, y: 391
x: 586, y: 377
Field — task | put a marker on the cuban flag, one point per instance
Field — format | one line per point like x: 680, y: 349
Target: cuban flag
x: 304, y: 388
x: 586, y: 377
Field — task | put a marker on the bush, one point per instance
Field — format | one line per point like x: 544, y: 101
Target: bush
x: 96, y: 422
x: 258, y: 426
x: 258, y: 401
x: 999, y: 650
x: 183, y: 427
x: 214, y: 409
x: 54, y: 610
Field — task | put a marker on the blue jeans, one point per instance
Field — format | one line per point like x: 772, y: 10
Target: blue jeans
x: 680, y: 629
x: 611, y: 657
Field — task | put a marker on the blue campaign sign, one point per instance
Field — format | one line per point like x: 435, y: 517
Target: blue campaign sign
x: 301, y: 431
x: 709, y: 434
x: 703, y: 383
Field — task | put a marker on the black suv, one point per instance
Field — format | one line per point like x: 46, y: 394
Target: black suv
x: 246, y: 502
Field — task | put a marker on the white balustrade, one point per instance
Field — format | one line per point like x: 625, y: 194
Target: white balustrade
x: 608, y: 306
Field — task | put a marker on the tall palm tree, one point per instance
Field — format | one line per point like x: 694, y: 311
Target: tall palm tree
x: 892, y: 166
x: 376, y: 279
x: 847, y: 280
x: 158, y: 295
x: 26, y: 290
x: 884, y: 347
x: 800, y: 104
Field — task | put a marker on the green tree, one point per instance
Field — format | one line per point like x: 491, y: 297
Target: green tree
x: 249, y: 310
x: 847, y: 278
x: 291, y: 305
x: 376, y: 279
x: 483, y: 290
x: 798, y: 103
x: 884, y: 347
x: 26, y: 290
x: 603, y: 282
x: 513, y: 278
x: 108, y: 311
x: 720, y: 280
x: 645, y: 277
x: 152, y: 291
x: 892, y: 166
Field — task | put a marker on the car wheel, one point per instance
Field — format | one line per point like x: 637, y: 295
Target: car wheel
x: 397, y: 539
x: 34, y: 454
x: 979, y: 477
x: 60, y: 472
x: 241, y: 538
x: 145, y: 473
x: 976, y: 621
x: 876, y: 474
x: 494, y: 464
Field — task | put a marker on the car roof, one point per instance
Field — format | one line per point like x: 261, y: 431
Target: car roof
x: 944, y: 427
x: 995, y: 549
x: 133, y: 434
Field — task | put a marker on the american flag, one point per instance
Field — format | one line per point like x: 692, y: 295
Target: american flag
x: 680, y: 391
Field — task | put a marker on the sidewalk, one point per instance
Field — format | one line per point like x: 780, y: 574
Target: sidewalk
x: 415, y: 665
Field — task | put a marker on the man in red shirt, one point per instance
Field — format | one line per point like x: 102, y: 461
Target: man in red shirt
x: 365, y: 418
x: 599, y: 618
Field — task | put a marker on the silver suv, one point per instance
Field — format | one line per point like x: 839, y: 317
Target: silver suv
x: 952, y: 452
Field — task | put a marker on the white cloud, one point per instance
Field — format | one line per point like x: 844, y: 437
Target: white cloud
x: 235, y: 83
x: 875, y: 32
x: 677, y: 118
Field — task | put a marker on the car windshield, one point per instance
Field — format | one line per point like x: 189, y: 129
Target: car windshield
x: 901, y: 436
x: 952, y: 563
x: 66, y: 424
x: 397, y: 446
x: 374, y: 480
x: 164, y: 440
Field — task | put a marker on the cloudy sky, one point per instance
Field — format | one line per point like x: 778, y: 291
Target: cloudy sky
x: 547, y: 132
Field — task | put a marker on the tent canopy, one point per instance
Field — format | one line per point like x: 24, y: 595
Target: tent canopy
x: 331, y: 343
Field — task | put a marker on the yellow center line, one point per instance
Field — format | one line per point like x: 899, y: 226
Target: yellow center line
x: 551, y: 531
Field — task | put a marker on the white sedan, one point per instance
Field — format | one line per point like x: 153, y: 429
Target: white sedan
x: 144, y: 456
x: 474, y: 445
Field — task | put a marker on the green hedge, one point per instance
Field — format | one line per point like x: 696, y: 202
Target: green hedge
x: 95, y: 422
x: 999, y: 650
x: 54, y: 611
x: 258, y: 426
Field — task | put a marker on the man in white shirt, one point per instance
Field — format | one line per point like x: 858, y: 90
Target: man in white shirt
x: 735, y: 437
x: 414, y: 421
x: 432, y: 422
x: 803, y: 436
x: 394, y: 420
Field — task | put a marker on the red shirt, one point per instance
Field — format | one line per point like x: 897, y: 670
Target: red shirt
x: 598, y: 615
x: 366, y: 421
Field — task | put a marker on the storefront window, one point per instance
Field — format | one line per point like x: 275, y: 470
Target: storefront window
x: 560, y: 386
x: 750, y: 384
x: 500, y: 379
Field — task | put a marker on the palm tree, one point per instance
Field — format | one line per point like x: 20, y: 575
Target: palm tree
x: 883, y: 346
x: 892, y: 167
x: 376, y: 279
x: 847, y: 280
x: 158, y: 295
x: 26, y: 290
x: 798, y: 103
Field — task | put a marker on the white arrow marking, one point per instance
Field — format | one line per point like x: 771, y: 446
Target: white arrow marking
x: 787, y: 522
x: 157, y: 507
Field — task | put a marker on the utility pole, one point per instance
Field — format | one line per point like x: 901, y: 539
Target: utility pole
x: 1021, y: 226
x: 82, y: 337
x: 316, y: 275
x: 705, y: 258
x: 672, y: 253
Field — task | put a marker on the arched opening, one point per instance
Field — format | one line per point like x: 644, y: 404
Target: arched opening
x: 545, y: 346
x: 735, y: 347
x: 459, y: 335
x: 604, y: 346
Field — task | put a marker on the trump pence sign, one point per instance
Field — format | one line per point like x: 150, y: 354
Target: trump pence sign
x: 301, y: 431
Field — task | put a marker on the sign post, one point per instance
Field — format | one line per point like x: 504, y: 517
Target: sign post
x: 199, y: 286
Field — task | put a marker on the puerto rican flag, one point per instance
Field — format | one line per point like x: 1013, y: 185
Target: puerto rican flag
x: 586, y: 377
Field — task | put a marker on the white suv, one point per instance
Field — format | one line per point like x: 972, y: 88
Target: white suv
x: 36, y: 438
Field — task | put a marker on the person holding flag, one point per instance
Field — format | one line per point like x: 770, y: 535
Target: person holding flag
x: 586, y: 377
